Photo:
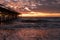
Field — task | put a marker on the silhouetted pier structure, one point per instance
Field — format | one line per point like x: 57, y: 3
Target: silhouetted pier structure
x: 7, y: 14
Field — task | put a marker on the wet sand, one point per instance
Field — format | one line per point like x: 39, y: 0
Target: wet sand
x: 30, y: 34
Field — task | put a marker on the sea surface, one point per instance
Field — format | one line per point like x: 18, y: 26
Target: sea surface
x: 31, y: 29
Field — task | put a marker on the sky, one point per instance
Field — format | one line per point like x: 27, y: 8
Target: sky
x: 32, y: 4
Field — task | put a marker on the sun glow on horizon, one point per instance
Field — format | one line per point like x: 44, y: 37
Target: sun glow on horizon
x: 40, y: 14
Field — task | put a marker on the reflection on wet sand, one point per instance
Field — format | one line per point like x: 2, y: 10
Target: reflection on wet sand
x: 30, y: 34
